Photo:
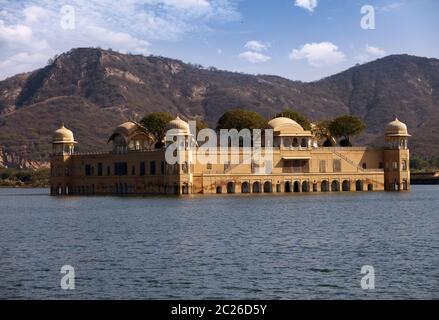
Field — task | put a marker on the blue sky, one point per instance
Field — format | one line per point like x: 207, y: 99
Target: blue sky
x: 297, y: 39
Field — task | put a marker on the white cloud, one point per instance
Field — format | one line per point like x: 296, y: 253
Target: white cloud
x: 256, y: 45
x: 318, y: 54
x: 309, y: 5
x: 370, y: 53
x: 22, y: 62
x: 124, y: 42
x: 254, y: 57
x: 30, y: 29
x: 391, y: 7
x: 375, y: 51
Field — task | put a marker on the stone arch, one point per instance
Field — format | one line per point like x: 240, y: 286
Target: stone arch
x: 315, y: 187
x: 245, y: 187
x: 287, y: 186
x: 335, y: 186
x: 256, y: 187
x: 404, y: 185
x: 231, y: 187
x: 219, y: 189
x: 370, y: 187
x: 303, y: 143
x: 358, y: 185
x: 305, y: 186
x: 324, y: 187
x: 267, y: 187
x: 296, y: 186
x: 346, y: 186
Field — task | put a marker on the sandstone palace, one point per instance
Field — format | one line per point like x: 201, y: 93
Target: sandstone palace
x: 299, y: 164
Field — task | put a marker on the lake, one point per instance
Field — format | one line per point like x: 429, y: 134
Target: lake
x: 295, y: 246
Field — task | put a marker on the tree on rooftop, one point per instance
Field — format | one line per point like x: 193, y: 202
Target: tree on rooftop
x: 345, y: 127
x: 241, y: 119
x: 155, y: 123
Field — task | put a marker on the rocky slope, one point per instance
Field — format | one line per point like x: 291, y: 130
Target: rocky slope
x: 93, y: 90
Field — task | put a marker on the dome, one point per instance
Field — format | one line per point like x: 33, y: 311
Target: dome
x: 126, y: 128
x: 178, y: 124
x: 63, y: 135
x: 284, y: 122
x: 396, y: 128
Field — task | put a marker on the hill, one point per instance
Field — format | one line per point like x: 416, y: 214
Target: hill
x: 93, y: 90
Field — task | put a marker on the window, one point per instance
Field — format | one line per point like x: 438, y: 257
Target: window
x: 395, y: 166
x: 120, y: 169
x: 88, y: 170
x: 336, y: 165
x: 364, y: 165
x: 152, y: 169
x: 322, y: 166
x: 100, y: 169
x: 209, y: 166
x: 304, y: 143
x: 404, y: 165
x: 142, y: 168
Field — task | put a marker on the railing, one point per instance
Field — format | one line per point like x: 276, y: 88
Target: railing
x: 343, y: 148
x: 348, y: 160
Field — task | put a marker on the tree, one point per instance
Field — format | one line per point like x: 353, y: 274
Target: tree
x: 201, y: 124
x: 296, y: 116
x: 155, y: 123
x: 241, y: 119
x: 346, y: 126
x: 321, y: 131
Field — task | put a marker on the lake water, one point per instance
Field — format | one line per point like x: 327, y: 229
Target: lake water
x: 230, y: 247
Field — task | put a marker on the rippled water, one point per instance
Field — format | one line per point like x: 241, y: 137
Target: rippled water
x: 249, y: 247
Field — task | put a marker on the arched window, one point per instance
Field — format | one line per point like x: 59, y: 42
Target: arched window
x: 256, y: 187
x: 359, y: 185
x: 296, y: 186
x: 245, y: 187
x: 295, y: 143
x: 404, y: 165
x: 324, y: 187
x: 303, y: 143
x: 231, y: 187
x: 287, y: 186
x: 305, y: 186
x: 335, y: 186
x: 267, y: 187
x: 314, y: 187
x: 370, y: 187
x: 346, y: 186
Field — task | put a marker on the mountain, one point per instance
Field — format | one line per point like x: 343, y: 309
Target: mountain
x: 94, y: 90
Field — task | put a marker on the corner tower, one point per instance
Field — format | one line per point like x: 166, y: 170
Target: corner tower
x: 63, y: 147
x: 396, y: 157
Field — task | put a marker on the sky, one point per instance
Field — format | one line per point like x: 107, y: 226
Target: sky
x: 302, y: 40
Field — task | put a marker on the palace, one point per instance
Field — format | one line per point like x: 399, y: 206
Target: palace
x: 299, y: 164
